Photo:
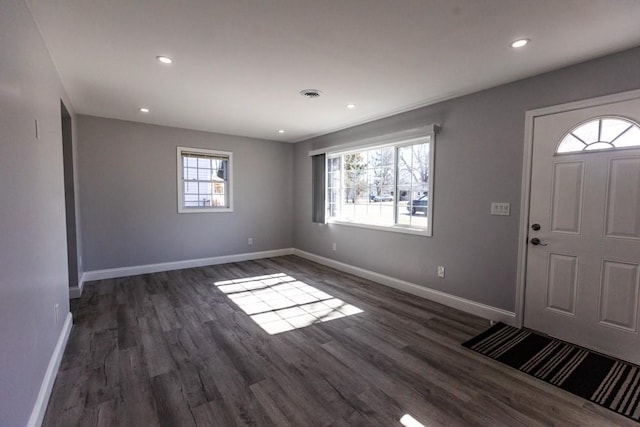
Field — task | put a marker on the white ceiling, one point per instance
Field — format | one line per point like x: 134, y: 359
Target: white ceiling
x: 239, y: 65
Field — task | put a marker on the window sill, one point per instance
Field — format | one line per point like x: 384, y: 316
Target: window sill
x: 204, y: 210
x: 391, y: 228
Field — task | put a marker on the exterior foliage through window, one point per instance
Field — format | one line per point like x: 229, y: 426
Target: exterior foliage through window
x: 382, y: 186
x: 203, y: 180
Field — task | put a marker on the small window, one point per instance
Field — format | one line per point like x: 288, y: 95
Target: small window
x: 604, y: 133
x: 204, y: 180
x: 388, y: 186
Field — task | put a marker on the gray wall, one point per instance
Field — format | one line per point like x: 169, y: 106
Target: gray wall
x: 33, y: 261
x: 479, y: 156
x: 129, y: 202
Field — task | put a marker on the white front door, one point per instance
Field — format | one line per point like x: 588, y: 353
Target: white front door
x: 583, y: 259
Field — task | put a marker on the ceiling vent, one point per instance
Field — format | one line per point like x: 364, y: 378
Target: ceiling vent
x: 310, y: 93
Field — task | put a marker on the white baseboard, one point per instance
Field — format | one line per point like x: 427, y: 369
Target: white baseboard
x: 473, y: 307
x: 40, y: 408
x: 76, y: 291
x: 178, y: 265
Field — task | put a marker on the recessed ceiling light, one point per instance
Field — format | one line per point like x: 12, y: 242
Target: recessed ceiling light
x: 351, y: 106
x: 164, y: 59
x: 144, y: 110
x: 280, y: 130
x: 520, y: 43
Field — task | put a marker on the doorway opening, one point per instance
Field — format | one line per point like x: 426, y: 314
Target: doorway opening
x: 69, y: 195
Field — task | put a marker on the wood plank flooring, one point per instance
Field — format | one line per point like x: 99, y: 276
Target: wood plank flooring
x: 171, y: 349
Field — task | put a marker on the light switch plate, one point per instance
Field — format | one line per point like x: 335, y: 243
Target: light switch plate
x: 500, y: 208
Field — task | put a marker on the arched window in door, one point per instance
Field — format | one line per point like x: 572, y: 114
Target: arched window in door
x: 602, y: 133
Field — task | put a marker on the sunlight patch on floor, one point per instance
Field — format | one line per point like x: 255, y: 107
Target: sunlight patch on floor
x: 279, y: 303
x: 408, y: 421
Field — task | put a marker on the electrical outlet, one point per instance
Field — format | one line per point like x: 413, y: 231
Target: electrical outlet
x: 440, y: 271
x: 335, y: 247
x: 56, y: 312
x: 500, y: 208
x: 250, y: 241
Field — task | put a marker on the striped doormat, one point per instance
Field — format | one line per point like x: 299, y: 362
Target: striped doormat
x: 603, y: 380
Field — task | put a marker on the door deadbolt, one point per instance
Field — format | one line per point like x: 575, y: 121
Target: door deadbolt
x: 535, y: 227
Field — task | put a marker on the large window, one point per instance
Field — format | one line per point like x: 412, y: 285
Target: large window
x: 204, y: 178
x: 387, y: 186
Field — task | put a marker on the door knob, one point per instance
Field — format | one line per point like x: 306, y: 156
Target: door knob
x: 535, y: 242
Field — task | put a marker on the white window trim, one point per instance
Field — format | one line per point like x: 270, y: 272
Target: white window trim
x: 405, y: 229
x: 380, y: 140
x: 429, y: 132
x: 180, y: 182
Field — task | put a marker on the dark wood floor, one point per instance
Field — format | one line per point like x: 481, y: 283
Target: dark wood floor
x: 172, y: 349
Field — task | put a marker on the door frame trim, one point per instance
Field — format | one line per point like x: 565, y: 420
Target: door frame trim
x: 525, y: 192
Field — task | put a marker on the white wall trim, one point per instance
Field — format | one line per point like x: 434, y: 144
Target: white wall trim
x: 473, y: 307
x: 76, y: 291
x: 40, y: 407
x: 468, y: 306
x: 112, y: 273
x: 386, y: 139
x: 530, y: 117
